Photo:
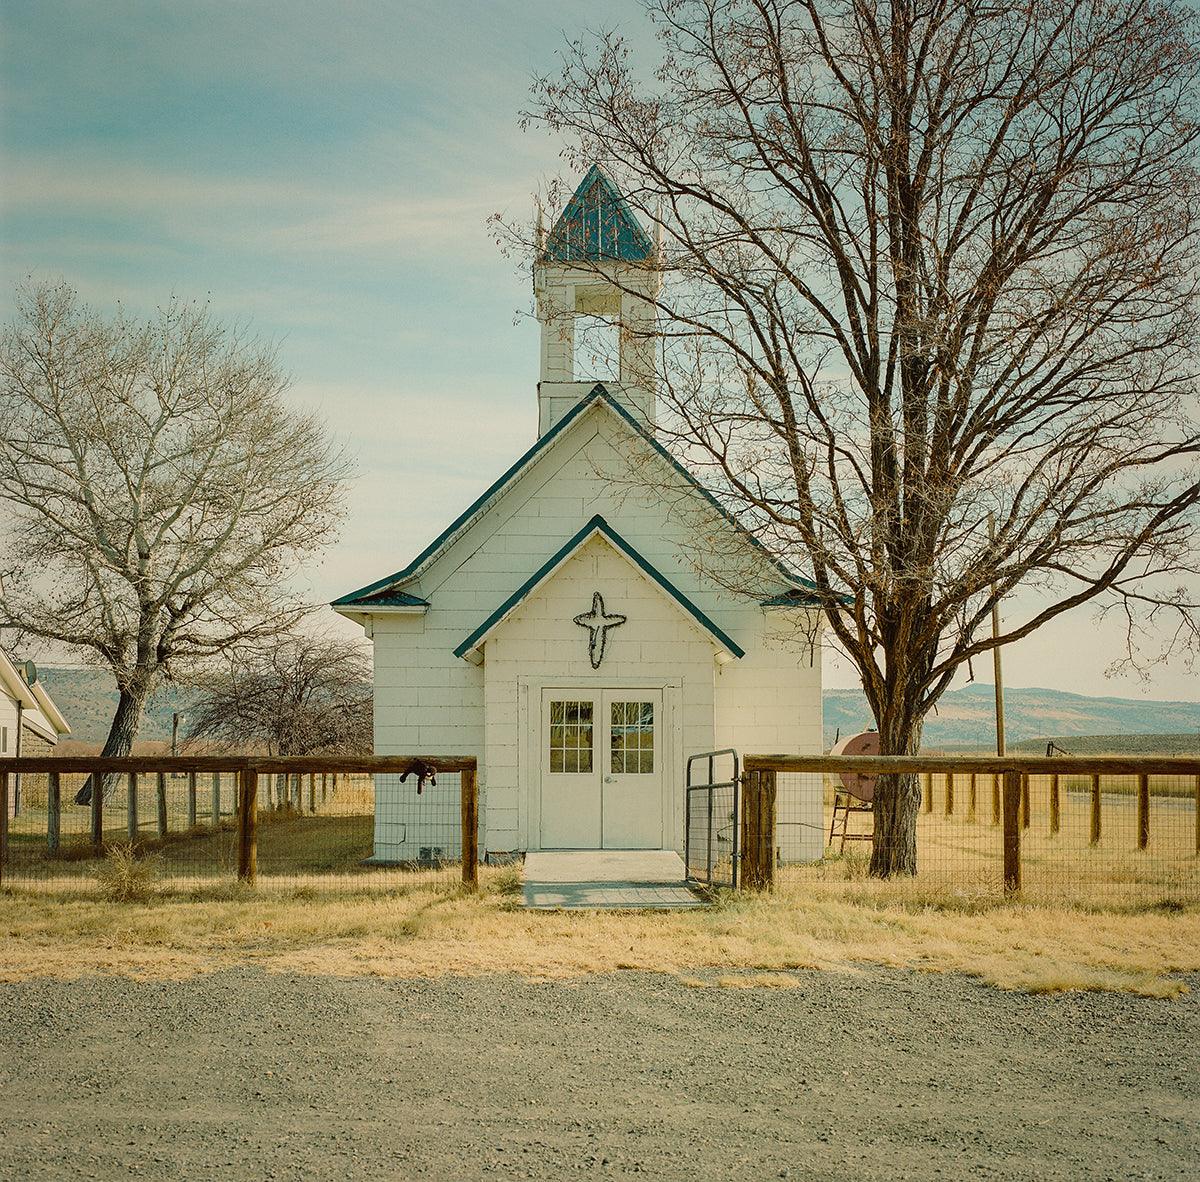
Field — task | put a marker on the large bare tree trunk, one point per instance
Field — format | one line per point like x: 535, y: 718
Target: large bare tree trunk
x: 121, y: 734
x: 897, y: 801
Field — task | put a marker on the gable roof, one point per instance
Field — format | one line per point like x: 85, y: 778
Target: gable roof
x: 41, y: 712
x: 361, y: 599
x: 597, y: 225
x: 596, y: 527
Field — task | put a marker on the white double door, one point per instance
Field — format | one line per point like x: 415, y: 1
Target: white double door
x: 601, y: 769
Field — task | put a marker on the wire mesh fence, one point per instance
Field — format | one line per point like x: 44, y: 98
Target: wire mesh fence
x: 1087, y: 836
x: 1114, y: 838
x: 186, y: 830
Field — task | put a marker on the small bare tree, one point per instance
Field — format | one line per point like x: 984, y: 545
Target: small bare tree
x: 927, y: 266
x: 161, y: 490
x: 297, y: 695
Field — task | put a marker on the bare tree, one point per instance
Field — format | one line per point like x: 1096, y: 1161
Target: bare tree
x: 926, y: 266
x: 161, y: 489
x: 297, y: 695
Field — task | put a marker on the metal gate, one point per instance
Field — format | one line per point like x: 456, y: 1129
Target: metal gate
x: 712, y: 829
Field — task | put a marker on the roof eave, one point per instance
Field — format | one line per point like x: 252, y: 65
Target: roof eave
x: 596, y: 396
x: 473, y: 644
x: 419, y: 564
x: 378, y: 609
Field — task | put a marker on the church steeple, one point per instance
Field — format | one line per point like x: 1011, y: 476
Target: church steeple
x: 596, y: 276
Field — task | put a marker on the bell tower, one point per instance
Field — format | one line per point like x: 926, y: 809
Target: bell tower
x: 595, y: 276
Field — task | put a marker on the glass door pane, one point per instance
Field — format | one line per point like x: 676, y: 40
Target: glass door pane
x: 631, y: 738
x: 571, y: 736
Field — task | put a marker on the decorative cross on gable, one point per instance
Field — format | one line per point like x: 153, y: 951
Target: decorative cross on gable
x: 598, y: 623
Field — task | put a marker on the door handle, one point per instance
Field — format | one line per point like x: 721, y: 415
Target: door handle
x: 608, y: 779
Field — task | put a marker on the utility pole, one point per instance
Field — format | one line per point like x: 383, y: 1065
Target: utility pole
x: 176, y: 718
x: 997, y: 675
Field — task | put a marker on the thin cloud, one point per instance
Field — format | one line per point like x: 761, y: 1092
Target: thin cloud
x: 257, y: 214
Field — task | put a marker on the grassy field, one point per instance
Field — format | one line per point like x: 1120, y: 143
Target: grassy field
x: 427, y: 928
x: 1106, y: 917
x: 330, y: 843
x: 960, y: 853
x: 1183, y: 744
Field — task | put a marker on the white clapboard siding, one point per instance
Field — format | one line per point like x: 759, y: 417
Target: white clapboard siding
x: 427, y: 700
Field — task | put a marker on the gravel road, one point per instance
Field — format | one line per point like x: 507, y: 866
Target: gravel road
x: 243, y: 1075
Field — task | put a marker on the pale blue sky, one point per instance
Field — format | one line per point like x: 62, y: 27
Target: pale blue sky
x: 325, y: 170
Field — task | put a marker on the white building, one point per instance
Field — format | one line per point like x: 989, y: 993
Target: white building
x: 30, y: 722
x: 563, y: 628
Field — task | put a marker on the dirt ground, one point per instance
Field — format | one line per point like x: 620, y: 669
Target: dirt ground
x: 869, y: 1074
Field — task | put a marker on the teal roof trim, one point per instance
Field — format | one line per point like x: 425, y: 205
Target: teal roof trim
x: 792, y: 598
x: 598, y: 393
x: 788, y: 574
x: 355, y: 597
x: 597, y: 525
x: 394, y: 599
x: 598, y: 225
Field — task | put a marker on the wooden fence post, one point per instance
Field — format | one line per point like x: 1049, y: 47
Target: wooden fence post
x: 131, y: 806
x: 247, y: 825
x: 746, y: 871
x: 3, y: 825
x: 1055, y: 804
x: 53, y: 812
x: 469, y: 802
x: 973, y: 797
x: 995, y: 799
x: 767, y: 846
x: 312, y: 792
x: 160, y: 795
x: 1095, y: 828
x: 1025, y: 801
x: 927, y: 790
x: 98, y: 812
x: 758, y: 831
x: 1012, y: 832
x: 324, y: 787
x: 1143, y: 811
x: 949, y: 794
x: 191, y: 787
x: 214, y: 808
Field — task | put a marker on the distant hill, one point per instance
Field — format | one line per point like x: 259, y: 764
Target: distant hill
x: 88, y: 698
x: 966, y: 717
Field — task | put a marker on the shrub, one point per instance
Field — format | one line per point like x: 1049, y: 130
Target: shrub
x: 127, y: 874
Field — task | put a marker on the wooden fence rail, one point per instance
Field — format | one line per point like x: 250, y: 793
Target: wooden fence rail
x: 247, y: 769
x: 1010, y: 777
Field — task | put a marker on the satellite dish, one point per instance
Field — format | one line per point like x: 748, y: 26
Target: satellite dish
x: 860, y: 786
x: 29, y: 672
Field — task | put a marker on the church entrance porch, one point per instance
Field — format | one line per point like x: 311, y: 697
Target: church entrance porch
x: 601, y: 764
x: 600, y: 880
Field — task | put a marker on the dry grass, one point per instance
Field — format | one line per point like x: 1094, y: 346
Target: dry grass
x: 429, y: 930
x: 960, y: 854
x: 1106, y: 918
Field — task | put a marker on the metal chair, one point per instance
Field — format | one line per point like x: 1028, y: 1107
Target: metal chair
x: 855, y: 793
x: 846, y: 802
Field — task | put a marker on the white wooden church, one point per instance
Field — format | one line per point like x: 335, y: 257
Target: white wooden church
x: 562, y: 629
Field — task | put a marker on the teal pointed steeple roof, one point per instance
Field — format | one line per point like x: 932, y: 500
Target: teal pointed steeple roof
x: 597, y: 225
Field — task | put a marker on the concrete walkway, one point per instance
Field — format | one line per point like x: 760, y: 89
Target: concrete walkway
x: 581, y: 879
